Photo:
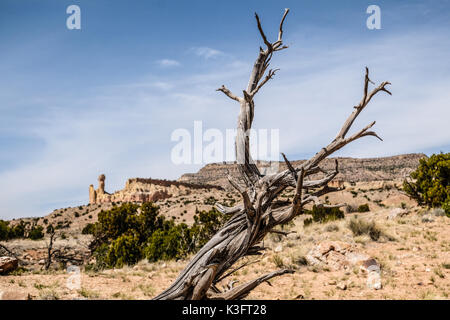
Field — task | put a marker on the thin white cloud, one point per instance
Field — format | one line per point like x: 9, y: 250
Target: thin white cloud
x: 168, y: 63
x: 206, y: 52
x: 162, y: 85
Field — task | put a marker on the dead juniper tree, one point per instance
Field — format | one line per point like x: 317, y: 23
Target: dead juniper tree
x: 260, y: 211
x: 50, y: 251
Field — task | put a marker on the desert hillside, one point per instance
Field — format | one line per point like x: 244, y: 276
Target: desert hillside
x: 350, y: 169
x: 413, y: 252
x: 409, y: 244
x: 200, y: 191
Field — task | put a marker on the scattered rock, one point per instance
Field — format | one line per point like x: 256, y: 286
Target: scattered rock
x: 397, y: 212
x: 374, y: 280
x: 332, y: 282
x: 427, y: 218
x: 338, y: 255
x: 369, y: 265
x: 341, y: 286
x: 8, y: 264
x: 438, y: 212
x: 279, y: 248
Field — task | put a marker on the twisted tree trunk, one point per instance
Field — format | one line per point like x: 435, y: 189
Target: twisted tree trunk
x: 260, y: 211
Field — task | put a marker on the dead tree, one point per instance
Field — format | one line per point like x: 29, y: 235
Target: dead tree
x: 9, y: 252
x: 260, y: 211
x: 50, y: 252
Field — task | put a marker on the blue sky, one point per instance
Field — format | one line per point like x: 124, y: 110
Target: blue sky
x: 106, y: 98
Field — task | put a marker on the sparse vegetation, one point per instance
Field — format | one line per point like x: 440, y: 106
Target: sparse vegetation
x: 36, y: 233
x: 323, y: 214
x: 210, y: 201
x: 125, y: 234
x: 363, y: 208
x: 431, y: 182
x: 20, y: 230
x: 361, y: 227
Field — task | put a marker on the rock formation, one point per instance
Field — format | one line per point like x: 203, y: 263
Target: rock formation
x: 143, y: 190
x: 92, y: 194
x: 350, y: 170
x: 338, y: 255
x: 101, y: 184
x: 8, y: 264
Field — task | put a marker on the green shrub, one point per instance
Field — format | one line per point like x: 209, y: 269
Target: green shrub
x: 100, y: 254
x: 50, y: 229
x: 323, y: 214
x: 127, y: 233
x: 125, y: 250
x: 172, y: 243
x: 88, y: 229
x: 431, y: 184
x: 4, y: 230
x: 206, y: 224
x: 18, y: 231
x: 210, y: 201
x: 361, y: 227
x: 363, y: 208
x: 446, y: 207
x: 36, y: 233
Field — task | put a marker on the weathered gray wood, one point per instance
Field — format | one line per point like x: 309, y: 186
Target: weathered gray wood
x: 261, y: 211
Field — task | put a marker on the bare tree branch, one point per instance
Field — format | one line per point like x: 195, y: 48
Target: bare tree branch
x: 243, y: 290
x: 229, y: 94
x: 269, y: 76
x: 236, y: 269
x: 280, y: 32
x: 266, y: 42
x: 365, y: 100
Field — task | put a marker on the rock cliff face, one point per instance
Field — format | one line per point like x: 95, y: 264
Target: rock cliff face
x: 215, y: 176
x: 350, y: 170
x: 142, y: 190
